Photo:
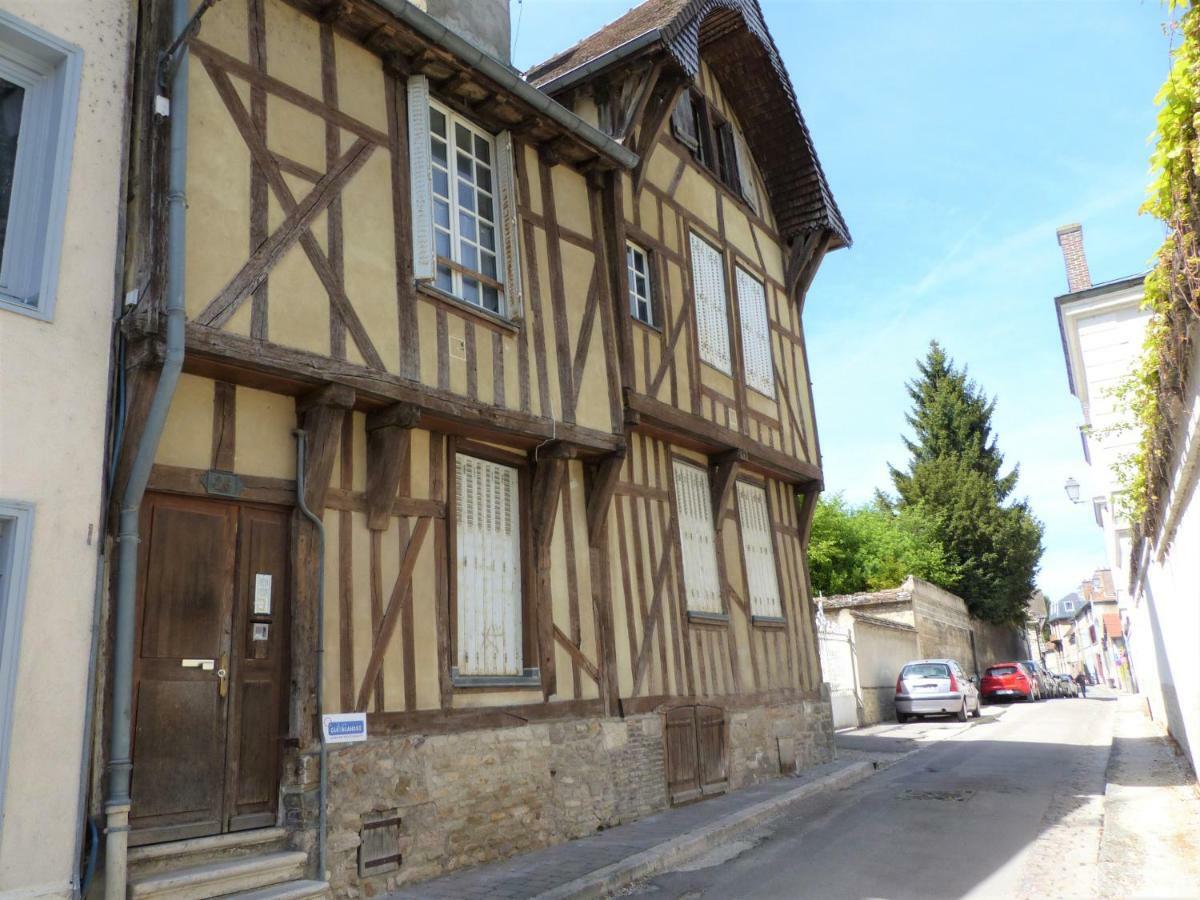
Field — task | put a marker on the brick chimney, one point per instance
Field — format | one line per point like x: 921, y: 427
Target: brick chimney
x: 1070, y: 238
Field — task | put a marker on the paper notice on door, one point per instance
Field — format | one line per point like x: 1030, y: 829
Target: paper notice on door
x: 262, y: 594
x: 261, y: 631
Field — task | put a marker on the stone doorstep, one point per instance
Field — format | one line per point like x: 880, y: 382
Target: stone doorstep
x: 290, y: 890
x: 693, y: 844
x: 153, y: 858
x: 220, y: 878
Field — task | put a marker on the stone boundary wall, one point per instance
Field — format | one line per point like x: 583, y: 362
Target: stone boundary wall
x: 474, y: 797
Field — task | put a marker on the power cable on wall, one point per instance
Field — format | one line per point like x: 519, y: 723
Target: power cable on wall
x: 512, y: 50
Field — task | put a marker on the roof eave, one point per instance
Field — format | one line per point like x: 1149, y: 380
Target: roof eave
x: 612, y: 57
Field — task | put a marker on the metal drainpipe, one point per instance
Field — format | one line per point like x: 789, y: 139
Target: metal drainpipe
x: 120, y: 764
x: 301, y: 450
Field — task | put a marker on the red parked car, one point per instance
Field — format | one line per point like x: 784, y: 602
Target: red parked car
x: 1006, y: 681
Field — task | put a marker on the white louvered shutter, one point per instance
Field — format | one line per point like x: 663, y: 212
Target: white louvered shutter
x: 489, y: 568
x: 756, y: 333
x: 420, y: 177
x: 509, y: 224
x: 697, y: 539
x: 758, y: 550
x: 708, y: 287
x: 745, y: 172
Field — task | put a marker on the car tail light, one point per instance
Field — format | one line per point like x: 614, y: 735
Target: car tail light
x: 953, y: 684
x: 900, y: 684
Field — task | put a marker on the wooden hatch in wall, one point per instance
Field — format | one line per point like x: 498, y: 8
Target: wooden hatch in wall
x: 695, y: 753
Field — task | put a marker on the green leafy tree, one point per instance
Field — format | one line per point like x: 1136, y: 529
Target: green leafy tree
x: 872, y: 547
x: 955, y: 480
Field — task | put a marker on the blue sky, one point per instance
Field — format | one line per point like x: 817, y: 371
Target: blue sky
x: 957, y: 136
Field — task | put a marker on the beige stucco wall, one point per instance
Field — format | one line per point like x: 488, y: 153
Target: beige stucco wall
x: 53, y: 378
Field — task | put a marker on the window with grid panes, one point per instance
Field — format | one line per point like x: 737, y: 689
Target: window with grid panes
x: 697, y: 538
x: 758, y: 550
x: 465, y: 210
x: 641, y: 304
x: 708, y: 288
x: 756, y: 333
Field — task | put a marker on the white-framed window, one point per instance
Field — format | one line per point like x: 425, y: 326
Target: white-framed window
x: 489, y: 636
x: 697, y: 538
x: 16, y: 529
x: 756, y: 333
x: 758, y: 552
x: 641, y: 301
x: 708, y: 289
x: 464, y: 205
x: 39, y: 92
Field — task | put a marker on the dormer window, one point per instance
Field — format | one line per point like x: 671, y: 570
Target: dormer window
x: 715, y: 144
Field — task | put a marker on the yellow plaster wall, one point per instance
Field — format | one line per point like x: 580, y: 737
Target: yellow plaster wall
x: 187, y: 435
x: 263, y: 443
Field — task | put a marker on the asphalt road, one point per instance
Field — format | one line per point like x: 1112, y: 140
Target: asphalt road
x: 1011, y: 806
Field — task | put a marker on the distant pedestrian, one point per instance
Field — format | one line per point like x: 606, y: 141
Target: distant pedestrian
x: 1081, y: 680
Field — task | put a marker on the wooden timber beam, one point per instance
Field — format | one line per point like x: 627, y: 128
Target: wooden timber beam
x: 229, y: 357
x: 724, y: 469
x: 655, y: 117
x: 603, y: 485
x: 808, y: 507
x: 654, y: 416
x: 321, y: 413
x: 389, y: 434
x: 633, y: 114
x: 549, y: 471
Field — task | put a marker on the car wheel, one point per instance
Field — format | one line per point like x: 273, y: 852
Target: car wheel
x: 962, y: 713
x: 978, y: 708
x: 901, y: 718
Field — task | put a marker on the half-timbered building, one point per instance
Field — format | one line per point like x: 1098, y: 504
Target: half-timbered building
x: 492, y: 423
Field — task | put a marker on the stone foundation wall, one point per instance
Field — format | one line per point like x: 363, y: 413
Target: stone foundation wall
x: 879, y: 705
x: 474, y: 797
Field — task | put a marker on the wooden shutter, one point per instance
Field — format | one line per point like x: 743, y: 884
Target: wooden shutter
x: 683, y: 763
x: 756, y: 333
x: 683, y: 122
x: 710, y: 736
x: 758, y: 550
x: 745, y: 172
x: 708, y: 289
x: 509, y: 224
x: 420, y: 177
x: 489, y: 568
x: 697, y: 539
x: 728, y: 156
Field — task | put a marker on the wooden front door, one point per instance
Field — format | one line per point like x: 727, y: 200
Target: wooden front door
x: 210, y: 672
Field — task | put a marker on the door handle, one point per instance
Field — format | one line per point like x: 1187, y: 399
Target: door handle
x: 205, y: 664
x: 223, y: 675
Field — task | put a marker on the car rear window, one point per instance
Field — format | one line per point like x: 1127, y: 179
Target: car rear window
x: 1002, y: 670
x: 926, y: 670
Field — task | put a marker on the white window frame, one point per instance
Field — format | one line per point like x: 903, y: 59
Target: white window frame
x: 16, y: 534
x: 698, y: 540
x: 758, y: 362
x: 638, y: 298
x: 758, y: 553
x: 49, y: 70
x: 505, y: 219
x: 469, y: 543
x: 711, y: 308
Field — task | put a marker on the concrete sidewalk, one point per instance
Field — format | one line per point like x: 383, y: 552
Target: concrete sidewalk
x: 599, y: 864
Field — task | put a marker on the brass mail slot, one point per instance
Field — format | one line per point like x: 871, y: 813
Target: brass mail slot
x: 205, y: 664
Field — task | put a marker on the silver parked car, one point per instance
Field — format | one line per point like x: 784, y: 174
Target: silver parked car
x: 935, y: 687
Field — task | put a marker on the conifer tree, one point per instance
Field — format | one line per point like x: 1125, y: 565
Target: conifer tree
x: 954, y: 479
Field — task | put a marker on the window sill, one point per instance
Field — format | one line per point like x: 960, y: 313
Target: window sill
x: 531, y: 679
x: 462, y: 307
x: 653, y: 329
x: 707, y: 618
x: 768, y: 621
x: 24, y: 309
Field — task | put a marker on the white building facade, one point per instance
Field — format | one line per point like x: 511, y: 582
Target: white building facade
x: 63, y: 126
x: 1103, y: 327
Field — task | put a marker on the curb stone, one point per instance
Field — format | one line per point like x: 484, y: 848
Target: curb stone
x: 689, y: 846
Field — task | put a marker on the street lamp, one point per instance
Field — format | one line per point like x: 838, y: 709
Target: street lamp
x: 1072, y: 489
